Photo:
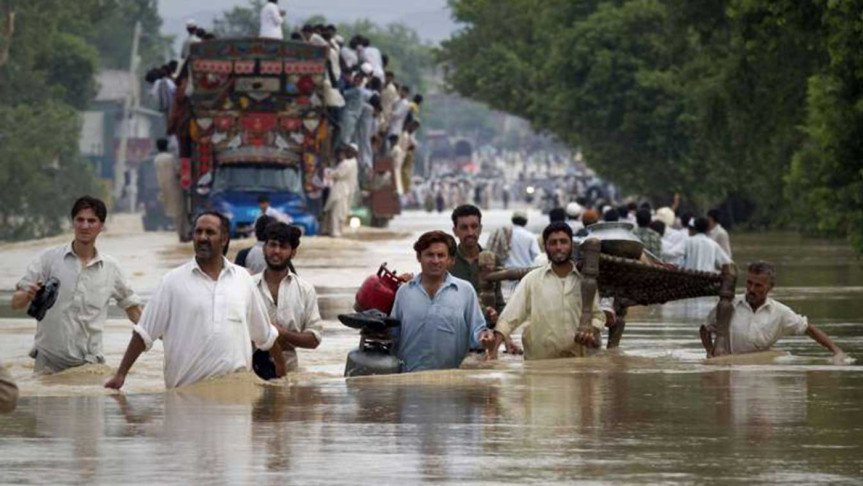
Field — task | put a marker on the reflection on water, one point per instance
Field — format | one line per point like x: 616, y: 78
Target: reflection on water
x: 652, y: 413
x: 602, y: 420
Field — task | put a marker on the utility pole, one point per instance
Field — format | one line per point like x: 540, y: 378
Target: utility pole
x: 131, y: 97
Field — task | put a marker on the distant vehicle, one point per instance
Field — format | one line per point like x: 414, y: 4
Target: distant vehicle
x: 254, y: 124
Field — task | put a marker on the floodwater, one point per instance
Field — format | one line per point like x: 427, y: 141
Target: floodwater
x: 652, y: 412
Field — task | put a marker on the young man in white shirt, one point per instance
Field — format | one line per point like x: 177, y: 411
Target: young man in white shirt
x: 291, y: 302
x: 70, y: 333
x: 700, y: 252
x: 759, y: 321
x: 206, y: 312
x: 523, y: 245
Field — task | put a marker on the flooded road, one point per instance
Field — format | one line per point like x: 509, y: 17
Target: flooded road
x: 652, y: 412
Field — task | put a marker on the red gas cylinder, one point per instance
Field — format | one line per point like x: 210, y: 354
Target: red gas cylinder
x: 378, y: 291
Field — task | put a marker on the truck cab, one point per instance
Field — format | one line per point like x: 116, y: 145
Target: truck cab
x: 236, y: 188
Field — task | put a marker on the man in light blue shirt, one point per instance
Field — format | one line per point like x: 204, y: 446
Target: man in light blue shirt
x: 440, y: 314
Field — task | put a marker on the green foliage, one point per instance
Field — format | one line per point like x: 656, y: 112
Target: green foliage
x: 703, y: 97
x: 42, y: 174
x: 54, y: 55
x: 240, y: 21
x: 826, y: 178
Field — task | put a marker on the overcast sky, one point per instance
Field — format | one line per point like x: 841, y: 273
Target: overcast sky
x: 430, y: 18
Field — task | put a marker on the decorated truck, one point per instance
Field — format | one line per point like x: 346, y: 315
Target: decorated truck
x: 250, y: 122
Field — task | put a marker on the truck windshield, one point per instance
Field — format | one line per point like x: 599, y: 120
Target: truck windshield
x: 257, y: 178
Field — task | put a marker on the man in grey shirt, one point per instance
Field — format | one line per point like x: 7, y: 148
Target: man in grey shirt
x: 70, y: 334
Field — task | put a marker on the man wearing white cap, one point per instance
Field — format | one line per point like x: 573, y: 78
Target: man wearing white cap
x: 271, y: 21
x: 191, y: 28
x: 573, y: 216
x: 673, y: 240
x: 345, y: 182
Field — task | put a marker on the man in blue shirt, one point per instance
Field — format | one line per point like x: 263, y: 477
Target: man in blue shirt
x: 440, y: 314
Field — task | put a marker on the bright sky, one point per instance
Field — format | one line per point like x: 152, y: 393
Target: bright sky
x: 429, y: 17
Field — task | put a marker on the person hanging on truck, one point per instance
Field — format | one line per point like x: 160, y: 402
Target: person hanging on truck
x: 291, y: 302
x: 70, y: 333
x: 206, y: 312
x: 345, y: 186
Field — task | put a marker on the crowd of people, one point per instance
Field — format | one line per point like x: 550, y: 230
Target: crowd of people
x: 210, y: 313
x: 369, y: 111
x: 372, y: 113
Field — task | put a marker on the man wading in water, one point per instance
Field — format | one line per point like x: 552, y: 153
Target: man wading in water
x: 206, y: 312
x: 70, y: 333
x: 759, y: 321
x: 440, y: 315
x: 549, y: 298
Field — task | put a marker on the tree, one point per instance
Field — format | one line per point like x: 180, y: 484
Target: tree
x: 825, y: 182
x: 239, y: 21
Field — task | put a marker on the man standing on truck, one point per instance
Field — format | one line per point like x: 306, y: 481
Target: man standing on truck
x: 271, y: 20
x: 344, y: 177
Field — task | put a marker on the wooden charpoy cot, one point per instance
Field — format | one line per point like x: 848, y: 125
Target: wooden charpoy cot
x: 630, y: 282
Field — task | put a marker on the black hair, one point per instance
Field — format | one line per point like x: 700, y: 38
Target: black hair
x: 90, y: 202
x: 261, y: 226
x: 714, y: 214
x: 465, y: 210
x: 296, y: 36
x: 284, y: 233
x: 554, y: 228
x: 375, y: 100
x: 658, y: 226
x: 556, y: 214
x: 224, y: 225
x: 428, y: 239
x: 642, y: 217
x: 263, y: 198
x: 375, y: 84
x: 611, y: 215
x: 519, y: 220
x: 684, y: 219
x: 418, y: 99
x: 700, y: 225
x: 162, y: 144
x: 623, y: 212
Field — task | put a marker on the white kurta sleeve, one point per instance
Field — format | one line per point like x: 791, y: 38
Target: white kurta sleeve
x: 312, y: 322
x: 262, y: 332
x: 156, y: 316
x: 517, y: 309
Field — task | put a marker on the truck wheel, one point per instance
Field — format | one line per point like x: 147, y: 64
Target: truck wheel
x: 184, y: 231
x: 379, y: 222
x: 149, y: 223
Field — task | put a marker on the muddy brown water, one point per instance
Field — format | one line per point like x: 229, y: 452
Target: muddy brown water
x: 654, y: 412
